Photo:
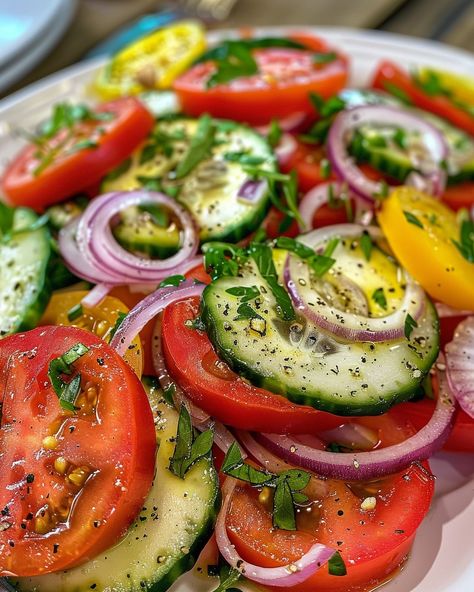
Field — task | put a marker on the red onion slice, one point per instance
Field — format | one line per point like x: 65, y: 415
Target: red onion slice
x: 149, y: 308
x: 358, y: 466
x: 352, y: 435
x: 96, y: 295
x: 285, y: 149
x: 431, y: 177
x: 460, y: 364
x: 91, y: 251
x: 282, y: 577
x: 348, y: 325
x: 252, y: 191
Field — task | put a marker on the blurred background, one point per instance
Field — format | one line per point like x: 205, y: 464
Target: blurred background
x: 38, y: 37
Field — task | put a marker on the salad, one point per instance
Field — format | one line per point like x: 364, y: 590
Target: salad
x: 236, y: 319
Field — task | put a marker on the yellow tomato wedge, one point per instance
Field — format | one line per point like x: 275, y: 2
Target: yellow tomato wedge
x: 459, y: 87
x: 153, y: 62
x: 64, y: 309
x: 421, y: 231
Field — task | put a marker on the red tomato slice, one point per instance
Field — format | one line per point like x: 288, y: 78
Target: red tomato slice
x: 389, y: 75
x: 209, y: 382
x: 461, y: 438
x: 74, y: 170
x: 281, y: 88
x: 70, y: 484
x: 372, y: 543
x: 459, y: 196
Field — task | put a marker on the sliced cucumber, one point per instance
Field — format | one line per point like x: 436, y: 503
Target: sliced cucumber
x: 148, y: 231
x: 61, y: 214
x: 210, y: 189
x: 24, y: 286
x: 164, y: 542
x: 311, y: 366
x: 395, y: 161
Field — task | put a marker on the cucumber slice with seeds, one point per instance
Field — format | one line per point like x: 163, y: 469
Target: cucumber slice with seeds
x: 210, y: 190
x: 314, y: 367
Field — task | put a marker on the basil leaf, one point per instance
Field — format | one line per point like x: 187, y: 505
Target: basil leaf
x: 410, y: 324
x: 336, y: 565
x: 290, y: 244
x: 378, y: 296
x: 222, y: 259
x: 226, y: 49
x: 234, y: 466
x: 297, y: 479
x: 228, y: 576
x: 412, y: 219
x: 283, y: 508
x: 200, y: 448
x: 199, y: 147
x: 466, y: 243
x: 120, y: 318
x: 245, y: 311
x: 6, y: 219
x: 320, y: 59
x: 246, y: 293
x: 238, y: 63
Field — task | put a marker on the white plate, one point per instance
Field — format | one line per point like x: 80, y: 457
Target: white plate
x: 28, y: 31
x: 442, y: 557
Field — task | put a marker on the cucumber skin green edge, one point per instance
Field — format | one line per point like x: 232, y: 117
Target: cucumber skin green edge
x: 296, y: 396
x: 188, y: 561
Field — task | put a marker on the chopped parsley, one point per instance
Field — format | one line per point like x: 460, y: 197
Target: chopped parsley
x: 465, y: 245
x: 67, y: 392
x: 366, y: 244
x: 412, y: 219
x: 199, y: 147
x: 378, y: 296
x: 410, y: 324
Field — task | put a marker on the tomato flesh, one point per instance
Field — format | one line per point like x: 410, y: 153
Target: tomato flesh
x: 70, y: 483
x: 389, y: 76
x: 208, y: 382
x: 372, y: 543
x: 281, y: 87
x: 459, y: 196
x: 72, y: 170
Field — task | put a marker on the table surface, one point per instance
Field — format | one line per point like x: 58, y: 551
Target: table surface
x: 450, y: 21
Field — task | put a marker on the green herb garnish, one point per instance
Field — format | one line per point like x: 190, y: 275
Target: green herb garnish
x: 378, y: 296
x: 199, y: 148
x: 172, y: 280
x: 120, y: 318
x: 245, y: 293
x: 228, y: 576
x: 397, y: 92
x: 188, y: 449
x: 412, y: 219
x: 336, y: 565
x: 287, y: 486
x: 465, y: 245
x: 366, y: 244
x: 75, y: 312
x: 67, y: 392
x: 410, y: 324
x: 274, y: 133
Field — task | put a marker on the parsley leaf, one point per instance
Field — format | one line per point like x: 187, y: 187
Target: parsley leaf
x: 199, y: 147
x: 410, y: 324
x: 262, y: 255
x: 246, y: 293
x: 274, y: 133
x: 366, y: 244
x: 245, y: 311
x: 235, y: 61
x: 412, y: 219
x: 172, y: 280
x: 6, y: 219
x: 228, y: 576
x: 222, y: 259
x: 466, y: 243
x: 188, y: 450
x: 336, y: 565
x: 67, y: 392
x: 378, y: 296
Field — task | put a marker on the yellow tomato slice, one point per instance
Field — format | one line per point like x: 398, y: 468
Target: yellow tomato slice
x: 153, y: 62
x: 459, y: 87
x: 63, y: 309
x: 420, y: 231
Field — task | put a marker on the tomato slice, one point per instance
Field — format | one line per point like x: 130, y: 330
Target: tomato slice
x: 281, y: 87
x: 389, y: 77
x: 459, y: 196
x: 64, y: 309
x: 209, y: 382
x: 70, y: 483
x: 372, y: 543
x: 73, y: 169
